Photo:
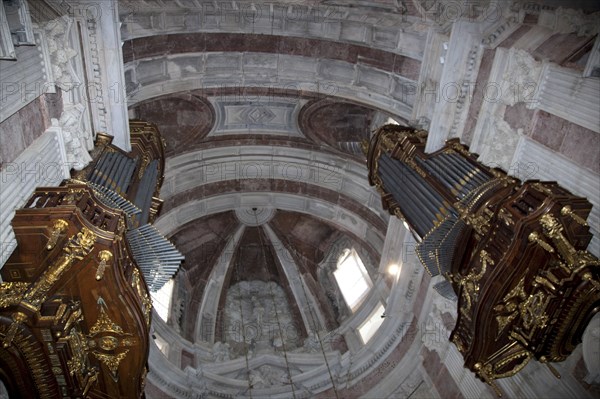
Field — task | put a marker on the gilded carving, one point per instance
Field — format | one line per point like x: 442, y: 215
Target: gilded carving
x: 111, y: 361
x: 108, y: 343
x: 78, y: 247
x: 105, y: 257
x: 12, y: 293
x: 535, y: 238
x: 568, y: 211
x: 136, y: 283
x: 90, y: 378
x: 576, y: 260
x: 77, y: 365
x: 387, y: 141
x: 459, y: 344
x: 461, y: 149
x: 506, y: 217
x: 486, y: 374
x: 34, y: 356
x: 18, y: 318
x: 59, y: 226
x: 542, y: 189
x: 507, y: 311
x: 470, y: 283
x: 60, y: 312
x: 105, y: 334
x: 75, y: 316
x: 411, y: 162
x: 533, y: 311
x: 364, y: 146
x: 144, y: 164
x: 523, y: 355
x: 480, y: 223
x: 144, y: 374
x: 105, y: 325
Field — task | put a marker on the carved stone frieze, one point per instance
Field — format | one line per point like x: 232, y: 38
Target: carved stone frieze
x: 74, y: 135
x: 520, y: 77
x: 569, y: 20
x: 61, y: 52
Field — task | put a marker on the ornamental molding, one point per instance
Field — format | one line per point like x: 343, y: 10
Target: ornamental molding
x: 521, y: 77
x: 75, y: 136
x: 57, y: 33
x: 567, y: 20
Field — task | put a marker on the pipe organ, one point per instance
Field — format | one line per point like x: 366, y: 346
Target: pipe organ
x: 75, y: 309
x: 131, y: 182
x: 513, y: 254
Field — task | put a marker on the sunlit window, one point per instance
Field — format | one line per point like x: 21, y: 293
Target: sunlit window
x: 162, y: 345
x: 161, y: 299
x: 372, y: 324
x: 352, y: 278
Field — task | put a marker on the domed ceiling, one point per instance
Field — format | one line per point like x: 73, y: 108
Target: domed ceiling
x: 263, y: 111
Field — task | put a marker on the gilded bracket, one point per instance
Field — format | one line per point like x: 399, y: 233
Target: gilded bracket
x: 78, y: 247
x: 105, y: 257
x: 576, y: 260
x: 18, y: 318
x: 59, y: 226
x: 535, y: 238
x: 568, y: 211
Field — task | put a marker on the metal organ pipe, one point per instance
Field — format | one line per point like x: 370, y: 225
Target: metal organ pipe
x: 405, y: 198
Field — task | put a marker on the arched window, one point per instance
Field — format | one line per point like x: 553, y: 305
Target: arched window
x: 372, y: 324
x: 352, y: 278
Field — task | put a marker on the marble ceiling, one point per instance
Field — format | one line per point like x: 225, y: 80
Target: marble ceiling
x: 265, y: 182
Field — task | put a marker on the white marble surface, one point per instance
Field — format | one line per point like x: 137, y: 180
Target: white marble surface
x: 257, y: 318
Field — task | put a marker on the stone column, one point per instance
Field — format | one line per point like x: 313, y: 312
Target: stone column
x: 99, y: 27
x: 43, y: 163
x: 565, y: 93
x: 453, y: 97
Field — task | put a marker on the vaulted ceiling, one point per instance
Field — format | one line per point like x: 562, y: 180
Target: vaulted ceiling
x: 263, y: 107
x: 263, y: 111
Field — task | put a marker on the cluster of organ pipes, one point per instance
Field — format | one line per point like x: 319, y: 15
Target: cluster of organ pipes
x: 130, y: 182
x: 513, y: 253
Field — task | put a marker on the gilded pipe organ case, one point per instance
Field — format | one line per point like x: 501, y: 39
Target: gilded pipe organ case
x: 513, y: 254
x: 75, y: 308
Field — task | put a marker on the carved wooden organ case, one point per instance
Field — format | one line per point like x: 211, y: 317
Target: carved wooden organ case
x: 512, y: 253
x: 75, y: 309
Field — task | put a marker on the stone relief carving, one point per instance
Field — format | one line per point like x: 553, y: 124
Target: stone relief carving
x: 75, y: 136
x: 520, y: 79
x: 221, y: 352
x: 311, y: 343
x: 61, y: 53
x: 78, y: 140
x: 501, y: 31
x: 568, y: 20
x: 502, y: 145
x: 435, y: 333
x: 267, y: 376
x: 258, y: 319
